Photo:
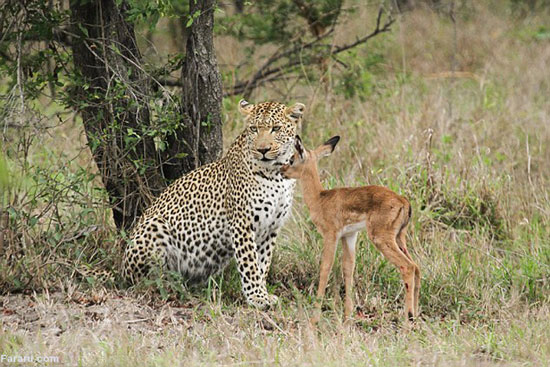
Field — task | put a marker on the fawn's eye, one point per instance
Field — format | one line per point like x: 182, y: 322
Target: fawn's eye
x: 254, y: 129
x: 275, y: 128
x: 291, y: 161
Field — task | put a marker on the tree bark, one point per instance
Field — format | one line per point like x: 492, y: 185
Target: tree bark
x: 202, y: 91
x: 115, y: 113
x: 113, y: 99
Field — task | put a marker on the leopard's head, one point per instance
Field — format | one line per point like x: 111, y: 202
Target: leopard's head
x: 271, y: 130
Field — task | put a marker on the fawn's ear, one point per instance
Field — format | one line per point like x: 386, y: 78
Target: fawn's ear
x: 327, y: 147
x: 245, y: 108
x: 295, y: 113
x: 300, y: 149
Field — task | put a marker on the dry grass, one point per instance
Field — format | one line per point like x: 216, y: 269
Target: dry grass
x: 471, y: 151
x: 116, y: 330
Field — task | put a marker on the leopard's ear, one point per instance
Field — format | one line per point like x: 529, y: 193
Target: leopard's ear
x: 245, y: 107
x: 295, y: 113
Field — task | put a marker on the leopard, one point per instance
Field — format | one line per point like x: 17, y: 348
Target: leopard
x: 232, y: 208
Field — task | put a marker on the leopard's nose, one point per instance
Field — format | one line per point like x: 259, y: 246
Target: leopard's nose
x: 263, y: 150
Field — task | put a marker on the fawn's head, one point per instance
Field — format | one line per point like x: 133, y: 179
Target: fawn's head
x: 305, y: 160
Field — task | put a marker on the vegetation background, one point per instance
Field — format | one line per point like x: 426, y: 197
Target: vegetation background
x: 450, y: 108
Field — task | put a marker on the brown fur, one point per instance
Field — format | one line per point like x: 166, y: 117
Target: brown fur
x: 340, y: 213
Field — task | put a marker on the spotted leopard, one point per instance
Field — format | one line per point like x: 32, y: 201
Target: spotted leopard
x: 231, y: 208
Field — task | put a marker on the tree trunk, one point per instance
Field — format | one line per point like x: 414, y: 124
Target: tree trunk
x: 114, y: 96
x: 202, y: 91
x: 112, y: 99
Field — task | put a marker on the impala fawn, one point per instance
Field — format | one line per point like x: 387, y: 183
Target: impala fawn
x: 341, y: 213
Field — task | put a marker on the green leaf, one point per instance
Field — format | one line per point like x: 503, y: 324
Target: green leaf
x: 83, y: 29
x: 116, y: 50
x: 4, y: 174
x: 90, y: 280
x: 542, y: 34
x: 192, y: 18
x: 33, y: 220
x: 12, y: 213
x: 163, y: 293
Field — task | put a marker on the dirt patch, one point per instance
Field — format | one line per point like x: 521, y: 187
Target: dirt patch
x: 53, y: 314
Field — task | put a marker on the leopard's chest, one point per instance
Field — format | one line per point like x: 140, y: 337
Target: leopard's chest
x: 271, y: 204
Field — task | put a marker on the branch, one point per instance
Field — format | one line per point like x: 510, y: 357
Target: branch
x: 377, y: 30
x: 169, y: 82
x: 267, y: 71
x: 62, y: 36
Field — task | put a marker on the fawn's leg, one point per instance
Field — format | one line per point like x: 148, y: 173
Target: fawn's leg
x: 402, y: 242
x: 348, y: 265
x: 386, y: 243
x: 327, y: 260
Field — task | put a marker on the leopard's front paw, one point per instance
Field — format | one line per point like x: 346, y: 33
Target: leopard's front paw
x: 262, y: 300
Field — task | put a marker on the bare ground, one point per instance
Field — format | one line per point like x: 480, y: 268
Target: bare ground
x: 53, y: 314
x: 115, y: 328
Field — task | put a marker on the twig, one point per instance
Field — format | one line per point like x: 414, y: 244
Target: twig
x: 137, y: 320
x: 262, y: 362
x: 429, y: 176
x: 453, y: 56
x: 268, y: 73
x: 4, y: 221
x: 60, y: 36
x: 19, y: 74
x: 528, y: 160
x: 270, y: 320
x: 267, y: 70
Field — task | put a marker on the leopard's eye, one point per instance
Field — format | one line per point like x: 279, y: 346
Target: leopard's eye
x: 275, y: 128
x: 254, y: 129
